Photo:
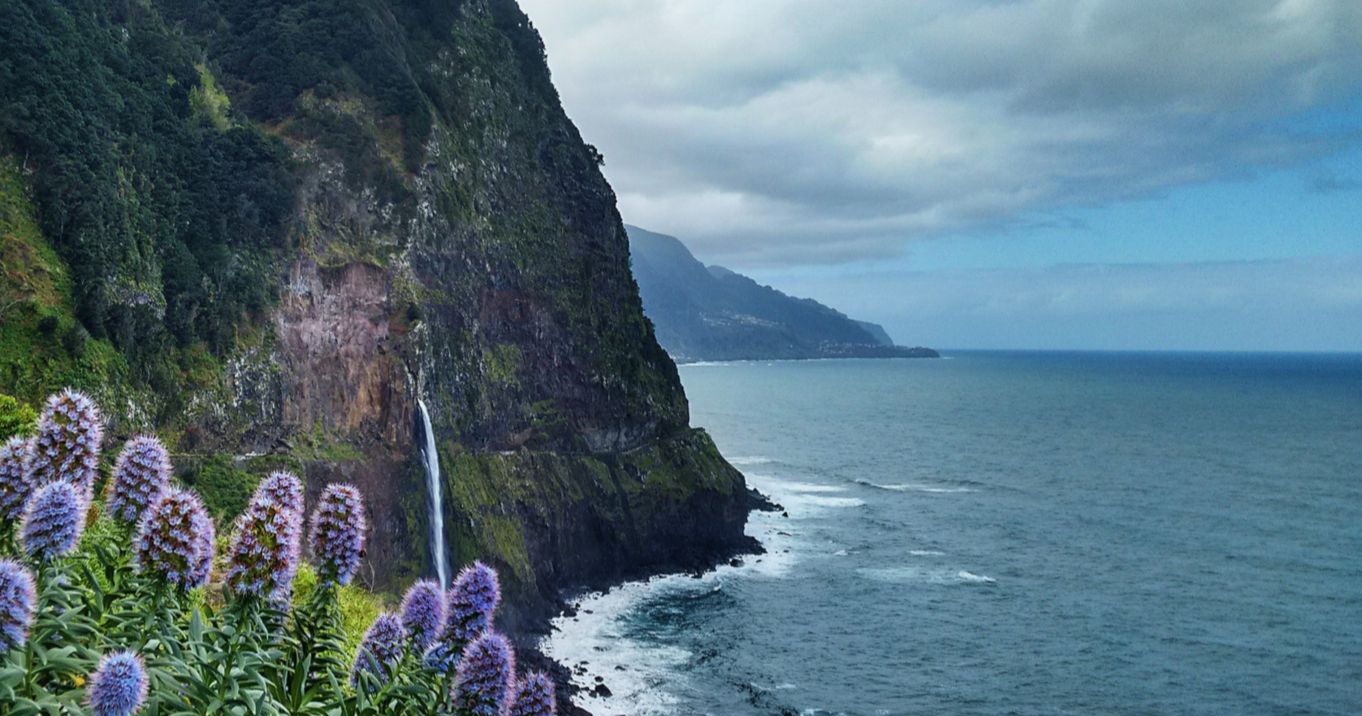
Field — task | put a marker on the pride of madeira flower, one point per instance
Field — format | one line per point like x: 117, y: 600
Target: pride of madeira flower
x: 16, y: 482
x: 337, y: 535
x: 486, y: 677
x: 423, y: 613
x: 140, y: 474
x: 472, y: 600
x: 534, y: 696
x: 67, y: 445
x: 119, y: 686
x: 17, y: 603
x: 265, y: 549
x: 380, y: 650
x: 53, y: 520
x: 176, y: 540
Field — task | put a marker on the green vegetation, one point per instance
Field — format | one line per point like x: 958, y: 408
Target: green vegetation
x: 15, y: 418
x: 225, y: 490
x: 318, y: 446
x: 357, y: 607
x: 168, y: 218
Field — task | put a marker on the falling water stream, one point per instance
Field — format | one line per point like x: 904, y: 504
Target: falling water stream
x: 437, y: 516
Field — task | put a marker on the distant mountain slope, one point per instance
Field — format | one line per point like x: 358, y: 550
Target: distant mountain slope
x: 877, y: 331
x: 715, y: 314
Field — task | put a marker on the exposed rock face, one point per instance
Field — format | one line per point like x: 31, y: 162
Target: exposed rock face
x: 334, y: 348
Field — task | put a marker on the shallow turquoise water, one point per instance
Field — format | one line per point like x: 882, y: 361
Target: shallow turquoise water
x: 1015, y: 533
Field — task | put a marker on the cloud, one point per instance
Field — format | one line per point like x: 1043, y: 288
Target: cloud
x: 1293, y: 304
x: 801, y: 131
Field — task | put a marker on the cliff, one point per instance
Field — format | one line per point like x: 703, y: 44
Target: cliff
x: 712, y: 313
x: 265, y: 230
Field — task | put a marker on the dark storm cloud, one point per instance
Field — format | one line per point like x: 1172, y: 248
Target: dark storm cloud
x: 793, y: 131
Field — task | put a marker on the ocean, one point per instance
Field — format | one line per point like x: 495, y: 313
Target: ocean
x: 1013, y: 533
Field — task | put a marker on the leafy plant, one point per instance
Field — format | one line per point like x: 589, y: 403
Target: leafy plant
x: 15, y: 418
x: 103, y: 618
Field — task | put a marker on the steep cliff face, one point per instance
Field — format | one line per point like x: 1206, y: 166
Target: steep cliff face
x: 450, y: 239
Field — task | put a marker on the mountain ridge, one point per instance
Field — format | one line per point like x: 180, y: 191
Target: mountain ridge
x: 702, y: 313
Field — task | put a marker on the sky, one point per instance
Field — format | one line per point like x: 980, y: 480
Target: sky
x: 1092, y: 174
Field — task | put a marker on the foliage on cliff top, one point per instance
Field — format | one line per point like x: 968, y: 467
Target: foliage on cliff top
x: 167, y: 222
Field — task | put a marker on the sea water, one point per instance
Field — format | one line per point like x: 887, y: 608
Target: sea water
x: 1013, y: 533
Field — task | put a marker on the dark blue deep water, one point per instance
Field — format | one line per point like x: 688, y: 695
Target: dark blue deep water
x: 1014, y: 533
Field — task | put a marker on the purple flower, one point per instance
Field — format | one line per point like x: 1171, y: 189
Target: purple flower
x: 140, y: 474
x: 443, y: 655
x: 53, y: 520
x: 16, y: 482
x: 175, y: 540
x: 486, y: 677
x: 534, y: 696
x: 283, y: 489
x: 67, y: 445
x: 119, y: 686
x: 380, y: 650
x: 17, y: 601
x: 472, y: 600
x: 265, y: 550
x: 423, y: 612
x: 337, y: 535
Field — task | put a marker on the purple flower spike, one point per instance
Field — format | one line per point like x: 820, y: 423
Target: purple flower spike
x: 337, y: 535
x: 16, y: 482
x: 53, y: 520
x: 140, y: 474
x: 535, y: 696
x: 472, y: 600
x: 119, y: 686
x: 67, y: 446
x: 265, y: 550
x: 485, y: 680
x: 380, y: 650
x: 175, y: 540
x: 423, y: 613
x: 18, y: 597
x: 283, y: 489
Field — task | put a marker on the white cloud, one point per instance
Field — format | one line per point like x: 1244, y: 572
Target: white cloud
x: 805, y: 131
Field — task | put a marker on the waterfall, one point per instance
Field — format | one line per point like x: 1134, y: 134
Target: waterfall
x: 437, y: 514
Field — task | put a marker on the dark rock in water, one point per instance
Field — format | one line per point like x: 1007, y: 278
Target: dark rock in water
x: 599, y: 679
x: 715, y: 314
x: 760, y: 502
x: 602, y: 691
x: 784, y: 514
x: 620, y: 667
x: 735, y: 562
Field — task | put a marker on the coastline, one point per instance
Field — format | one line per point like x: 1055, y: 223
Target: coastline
x: 918, y: 352
x: 696, y: 564
x: 584, y: 669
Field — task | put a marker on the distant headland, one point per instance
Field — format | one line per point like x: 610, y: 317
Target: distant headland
x: 713, y: 314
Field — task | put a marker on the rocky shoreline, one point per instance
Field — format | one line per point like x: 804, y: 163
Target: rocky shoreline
x: 698, y: 564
